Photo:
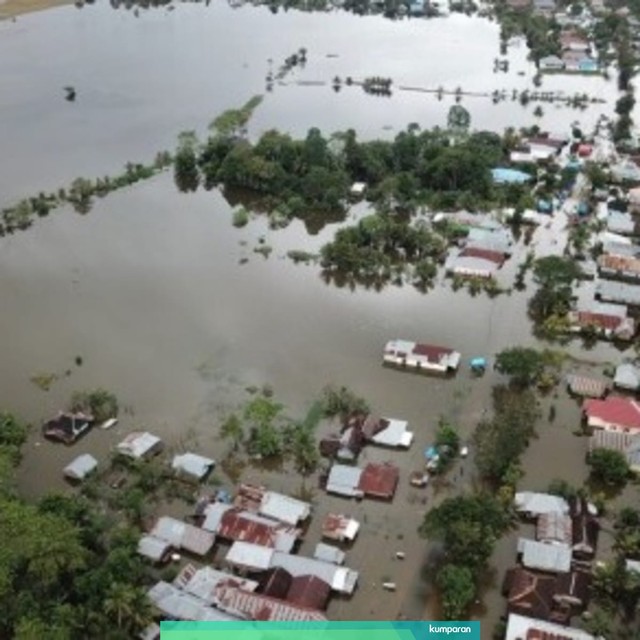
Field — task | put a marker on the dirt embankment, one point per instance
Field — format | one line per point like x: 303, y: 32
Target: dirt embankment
x: 13, y: 8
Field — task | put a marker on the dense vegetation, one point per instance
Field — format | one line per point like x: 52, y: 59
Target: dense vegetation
x: 99, y: 403
x: 65, y: 572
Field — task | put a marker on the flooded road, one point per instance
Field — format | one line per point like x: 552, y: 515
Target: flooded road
x: 148, y: 289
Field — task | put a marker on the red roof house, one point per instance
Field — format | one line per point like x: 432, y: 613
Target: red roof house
x: 379, y: 480
x: 613, y: 414
x: 309, y: 592
x: 486, y: 254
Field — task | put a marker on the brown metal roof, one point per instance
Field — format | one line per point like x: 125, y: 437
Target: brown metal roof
x: 309, y: 591
x: 431, y: 352
x: 235, y: 526
x: 619, y: 263
x: 276, y: 583
x: 379, y: 480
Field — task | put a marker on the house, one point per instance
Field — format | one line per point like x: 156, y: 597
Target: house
x: 272, y: 504
x: 379, y: 480
x: 154, y: 549
x: 525, y: 628
x: 586, y: 387
x: 471, y: 267
x: 622, y: 247
x: 329, y: 553
x: 572, y: 41
x: 618, y: 292
x: 357, y: 189
x: 622, y: 223
x: 259, y: 607
x: 618, y: 267
x: 183, y: 536
x: 505, y: 175
x: 192, y: 465
x: 392, y: 433
x: 585, y: 529
x: 532, y: 505
x: 552, y: 597
x: 67, y: 427
x: 554, y: 528
x: 608, y: 321
x: 79, y: 468
x: 310, y: 592
x: 423, y: 357
x: 344, y: 480
x: 234, y: 524
x: 498, y: 240
x: 626, y: 443
x: 365, y: 428
x: 340, y: 527
x: 613, y: 414
x: 551, y: 63
x: 202, y: 582
x: 627, y: 377
x: 519, y: 5
x: 246, y: 556
x: 175, y: 604
x: 275, y: 583
x: 552, y: 558
x: 140, y: 445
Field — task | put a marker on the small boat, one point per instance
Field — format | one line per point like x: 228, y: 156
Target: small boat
x: 389, y: 586
x: 418, y: 479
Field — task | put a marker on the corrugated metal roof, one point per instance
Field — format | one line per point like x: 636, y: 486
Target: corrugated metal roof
x: 340, y: 527
x: 340, y: 579
x: 525, y: 628
x: 138, y: 444
x: 627, y: 377
x: 309, y: 591
x: 545, y: 557
x: 213, y: 513
x: 192, y: 464
x: 539, y: 503
x: 182, y: 535
x: 251, y: 556
x: 80, y: 467
x: 612, y: 291
x: 554, y: 527
x: 153, y: 548
x: 588, y: 387
x: 250, y: 527
x: 177, y: 605
x: 329, y: 553
x: 258, y: 607
x: 379, y: 480
x: 284, y: 508
x: 344, y: 480
x: 202, y: 582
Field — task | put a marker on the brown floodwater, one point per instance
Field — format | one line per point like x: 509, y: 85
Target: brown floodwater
x: 149, y: 290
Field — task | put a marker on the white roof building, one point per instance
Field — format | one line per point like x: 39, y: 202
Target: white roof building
x: 203, y: 582
x: 139, y: 444
x: 182, y: 535
x: 345, y: 481
x: 523, y: 628
x: 627, y: 377
x: 250, y: 556
x: 395, y: 434
x: 153, y: 548
x: 544, y: 556
x: 80, y: 467
x: 329, y: 553
x: 284, y: 508
x: 340, y: 527
x: 535, y: 504
x: 193, y: 465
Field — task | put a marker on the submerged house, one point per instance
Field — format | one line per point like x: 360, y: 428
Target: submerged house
x: 521, y: 627
x: 608, y: 321
x: 627, y: 377
x: 618, y: 292
x: 140, y: 445
x: 181, y: 535
x: 551, y: 558
x: 422, y: 357
x: 533, y: 505
x: 626, y: 443
x: 67, y: 427
x: 192, y: 465
x: 79, y: 468
x: 340, y: 527
x: 619, y: 267
x: 613, y: 414
x: 374, y: 481
x: 586, y: 387
x: 585, y: 530
x: 272, y: 504
x: 554, y: 528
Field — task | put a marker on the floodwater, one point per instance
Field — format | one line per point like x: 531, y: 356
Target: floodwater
x: 148, y: 288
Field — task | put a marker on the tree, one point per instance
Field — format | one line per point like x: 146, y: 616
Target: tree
x: 458, y: 120
x: 468, y: 527
x: 128, y: 606
x: 261, y: 411
x: 555, y: 271
x: 457, y: 590
x: 99, y: 403
x: 303, y: 447
x: 609, y: 466
x: 342, y: 402
x: 232, y: 430
x: 185, y: 166
x: 524, y: 365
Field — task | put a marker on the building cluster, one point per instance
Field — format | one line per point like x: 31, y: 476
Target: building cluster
x: 258, y: 574
x: 551, y: 581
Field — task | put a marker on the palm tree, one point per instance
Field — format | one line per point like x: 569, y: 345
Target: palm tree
x: 119, y: 603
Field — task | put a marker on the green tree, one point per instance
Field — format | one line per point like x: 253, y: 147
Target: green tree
x: 128, y: 606
x: 457, y: 590
x: 185, y: 165
x: 99, y: 403
x: 609, y: 466
x: 303, y: 447
x: 523, y: 365
x: 232, y: 430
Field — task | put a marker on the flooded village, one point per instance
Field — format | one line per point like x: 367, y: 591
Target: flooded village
x: 274, y: 372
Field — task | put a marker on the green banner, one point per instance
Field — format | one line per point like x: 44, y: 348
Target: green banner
x: 319, y: 630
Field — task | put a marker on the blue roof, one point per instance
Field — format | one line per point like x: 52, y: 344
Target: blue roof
x: 430, y: 452
x: 503, y: 175
x: 545, y: 206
